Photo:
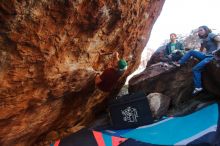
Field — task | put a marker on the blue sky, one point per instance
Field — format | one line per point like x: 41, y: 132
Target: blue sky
x: 182, y: 16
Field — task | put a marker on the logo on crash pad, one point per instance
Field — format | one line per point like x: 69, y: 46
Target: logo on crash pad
x: 130, y: 114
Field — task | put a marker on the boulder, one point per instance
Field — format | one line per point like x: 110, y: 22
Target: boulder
x: 157, y: 56
x: 176, y: 82
x: 49, y: 55
x: 211, y: 79
x: 159, y: 104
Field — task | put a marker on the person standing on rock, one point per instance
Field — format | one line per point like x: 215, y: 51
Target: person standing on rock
x: 210, y: 42
x: 174, y: 49
x: 111, y: 75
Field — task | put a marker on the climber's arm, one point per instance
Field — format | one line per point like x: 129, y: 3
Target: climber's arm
x: 98, y: 79
x: 116, y: 58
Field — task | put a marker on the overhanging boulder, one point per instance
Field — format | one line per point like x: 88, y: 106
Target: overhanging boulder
x: 50, y: 52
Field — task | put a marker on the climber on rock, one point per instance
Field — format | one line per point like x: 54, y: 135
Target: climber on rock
x: 211, y: 43
x: 174, y: 49
x: 111, y: 75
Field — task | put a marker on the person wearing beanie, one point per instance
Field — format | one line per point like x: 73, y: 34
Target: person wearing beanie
x: 210, y: 42
x: 122, y: 65
x: 111, y: 75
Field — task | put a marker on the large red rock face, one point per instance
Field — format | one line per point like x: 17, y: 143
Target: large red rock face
x: 49, y: 54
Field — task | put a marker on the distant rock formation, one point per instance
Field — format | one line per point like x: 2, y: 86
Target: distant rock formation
x: 50, y: 52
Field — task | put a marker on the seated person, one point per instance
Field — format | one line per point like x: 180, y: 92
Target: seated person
x: 174, y: 50
x: 209, y: 41
x: 111, y: 75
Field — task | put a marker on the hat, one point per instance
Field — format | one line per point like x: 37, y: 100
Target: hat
x: 122, y: 65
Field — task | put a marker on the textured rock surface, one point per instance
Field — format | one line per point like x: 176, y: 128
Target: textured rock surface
x: 157, y: 56
x: 49, y: 54
x: 170, y: 81
x: 211, y: 79
x: 177, y: 83
x: 159, y: 104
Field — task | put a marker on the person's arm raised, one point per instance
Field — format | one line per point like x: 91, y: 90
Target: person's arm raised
x: 116, y: 58
x: 98, y: 79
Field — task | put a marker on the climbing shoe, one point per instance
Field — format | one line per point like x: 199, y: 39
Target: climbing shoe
x: 176, y: 64
x: 196, y: 91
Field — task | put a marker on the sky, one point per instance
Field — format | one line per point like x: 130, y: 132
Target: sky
x: 182, y: 16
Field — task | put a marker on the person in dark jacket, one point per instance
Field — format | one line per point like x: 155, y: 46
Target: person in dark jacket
x: 174, y: 49
x: 111, y: 75
x: 210, y: 42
